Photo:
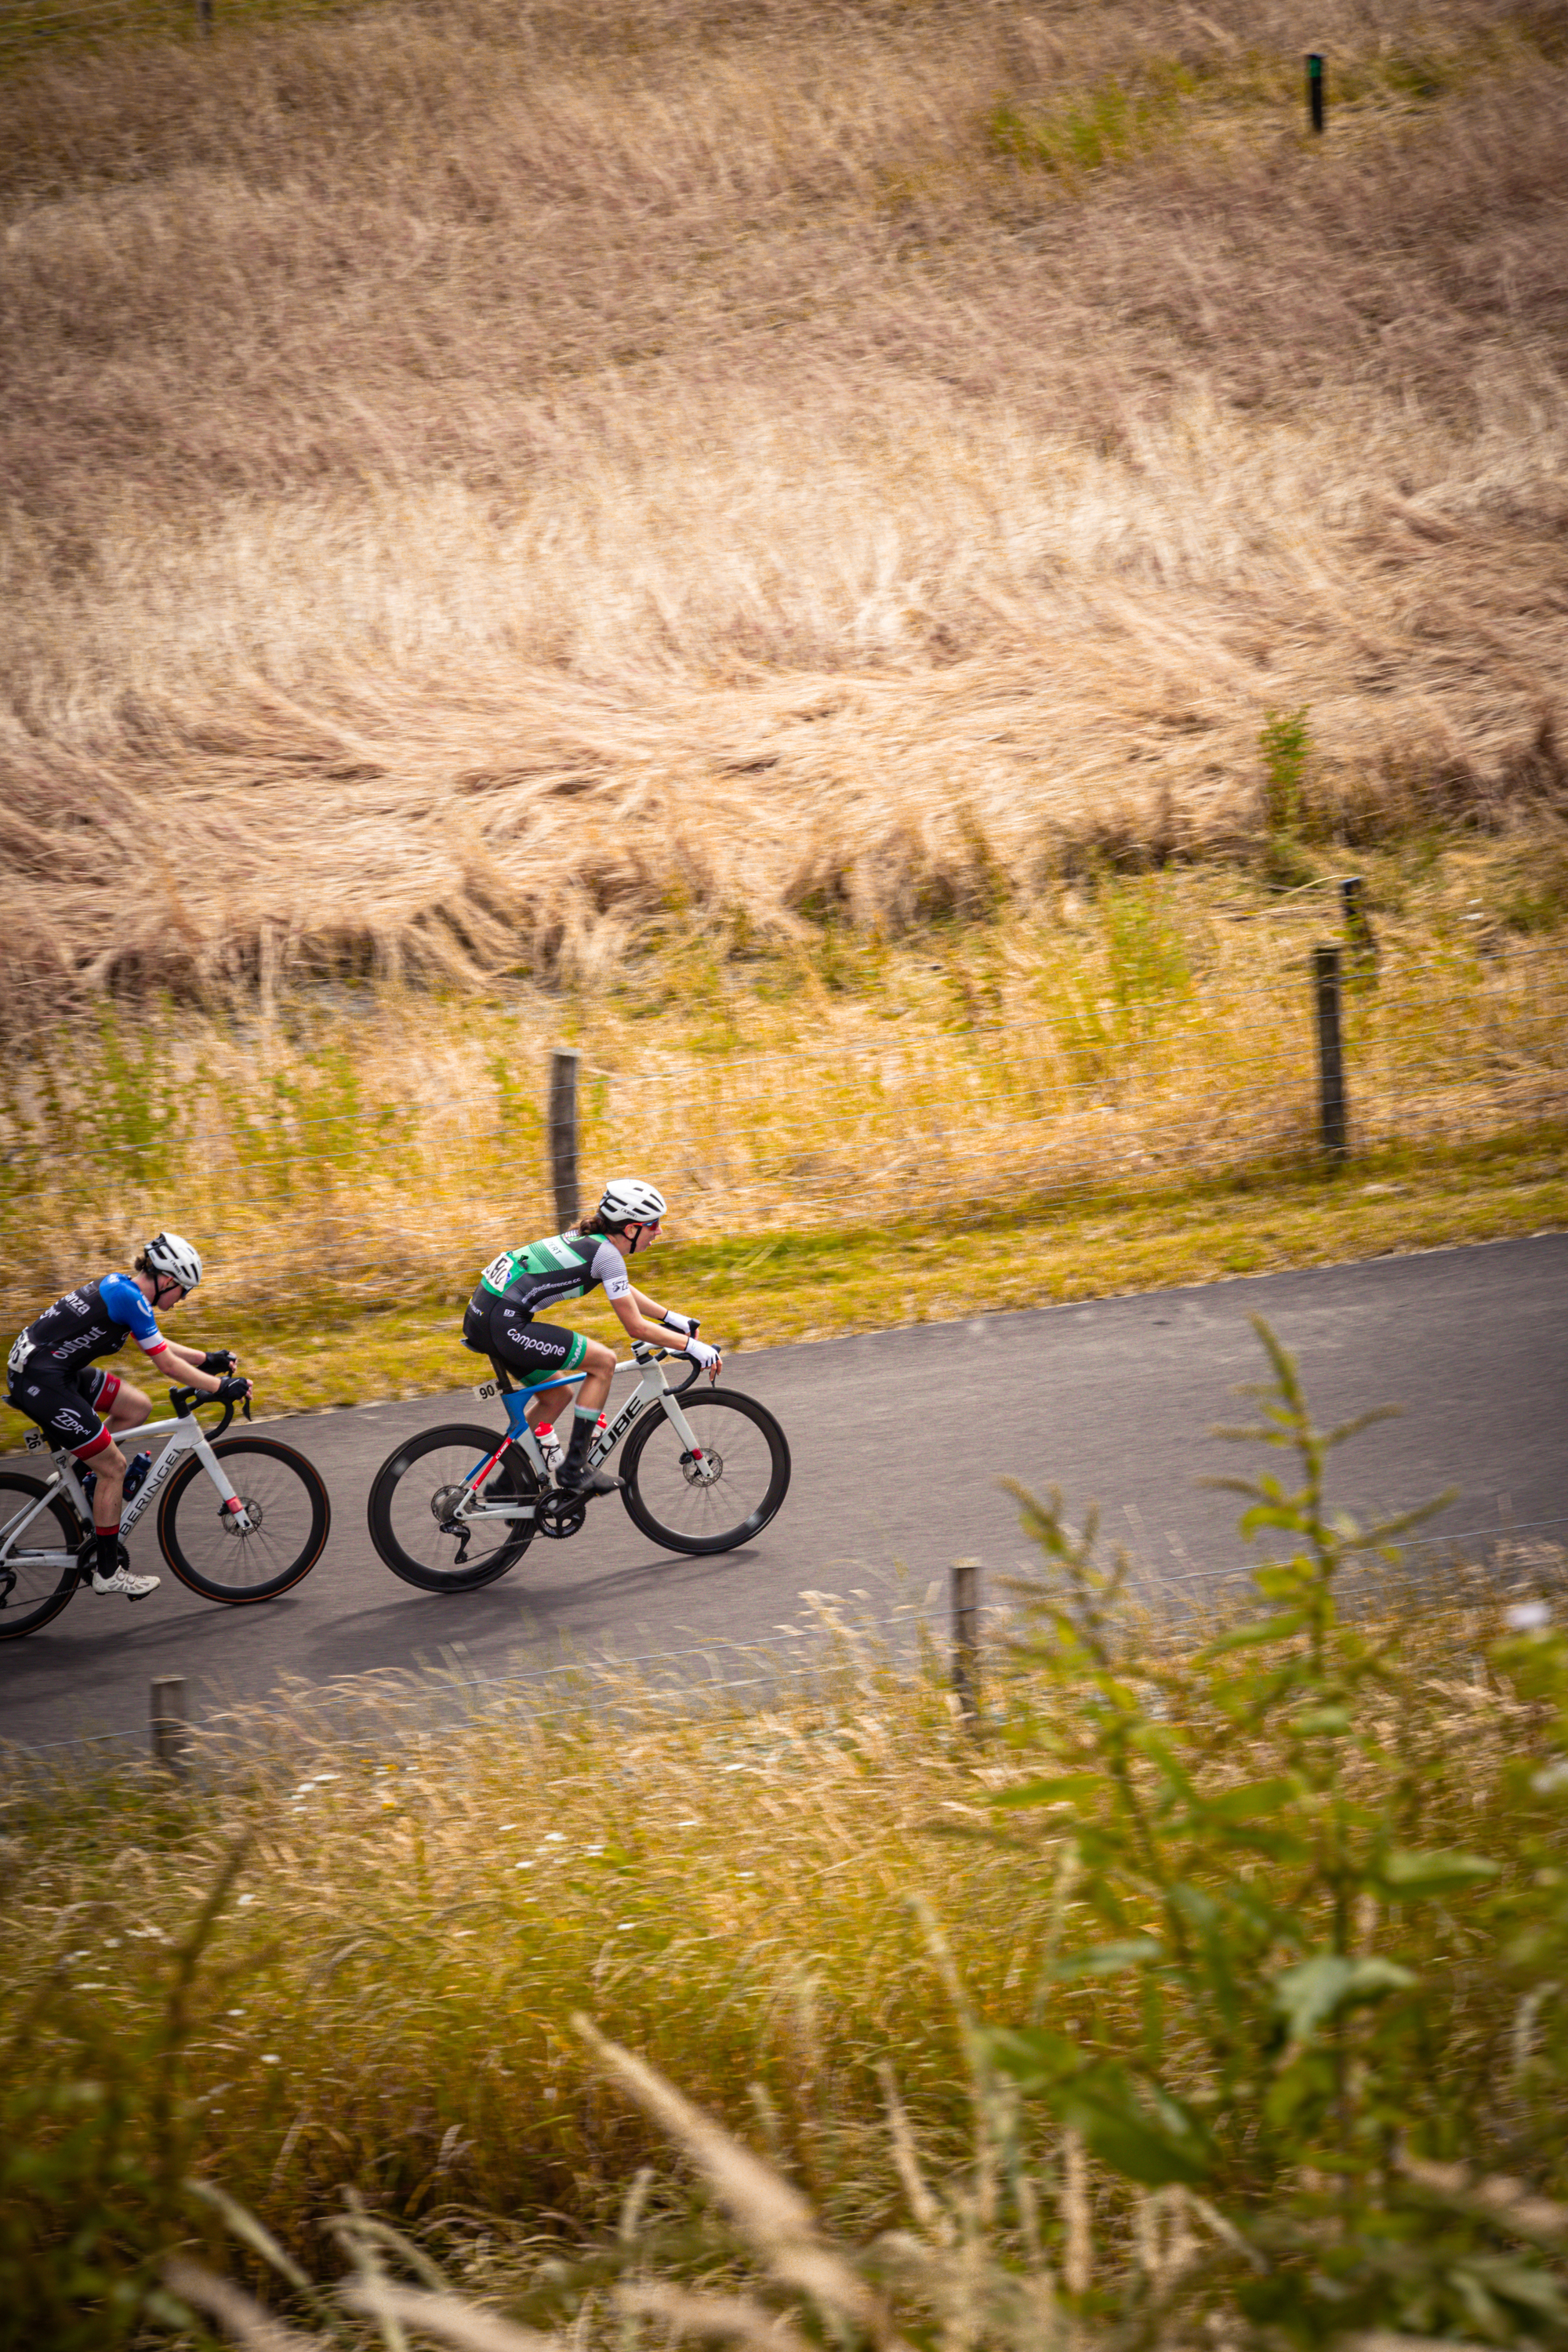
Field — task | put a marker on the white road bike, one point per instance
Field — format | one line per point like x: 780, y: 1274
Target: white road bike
x: 457, y: 1506
x: 239, y: 1519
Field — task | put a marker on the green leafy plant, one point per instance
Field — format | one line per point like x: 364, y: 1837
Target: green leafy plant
x: 1285, y: 741
x: 1278, y: 2008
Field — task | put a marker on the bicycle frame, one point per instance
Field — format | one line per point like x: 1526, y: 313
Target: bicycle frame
x: 188, y: 1437
x: 652, y: 1385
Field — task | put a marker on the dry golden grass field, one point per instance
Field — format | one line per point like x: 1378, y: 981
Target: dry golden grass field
x: 478, y: 477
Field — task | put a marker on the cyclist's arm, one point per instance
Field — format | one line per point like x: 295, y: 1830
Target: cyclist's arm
x: 177, y: 1365
x: 186, y: 1364
x: 634, y: 1309
x: 650, y: 1307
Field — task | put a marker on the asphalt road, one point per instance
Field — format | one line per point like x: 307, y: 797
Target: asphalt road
x: 899, y: 1438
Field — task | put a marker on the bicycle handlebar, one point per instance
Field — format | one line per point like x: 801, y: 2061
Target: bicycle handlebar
x: 183, y: 1402
x: 665, y: 1354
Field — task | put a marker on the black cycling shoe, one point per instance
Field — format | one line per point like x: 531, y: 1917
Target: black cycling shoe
x: 586, y: 1482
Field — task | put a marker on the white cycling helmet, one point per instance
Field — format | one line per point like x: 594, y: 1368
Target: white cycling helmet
x: 168, y: 1256
x: 631, y: 1200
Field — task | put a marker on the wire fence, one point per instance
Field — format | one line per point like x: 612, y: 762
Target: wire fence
x: 377, y: 1176
x: 36, y: 31
x: 814, y: 1667
x: 1106, y: 1085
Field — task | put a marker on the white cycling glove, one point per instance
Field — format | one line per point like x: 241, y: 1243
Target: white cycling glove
x: 674, y: 1322
x: 701, y: 1354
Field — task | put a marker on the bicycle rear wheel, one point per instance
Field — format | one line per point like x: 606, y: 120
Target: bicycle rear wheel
x: 666, y: 1492
x: 35, y: 1582
x: 286, y: 1503
x: 412, y: 1496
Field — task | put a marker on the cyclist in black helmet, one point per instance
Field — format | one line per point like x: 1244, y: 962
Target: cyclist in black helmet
x: 514, y: 1286
x: 55, y: 1381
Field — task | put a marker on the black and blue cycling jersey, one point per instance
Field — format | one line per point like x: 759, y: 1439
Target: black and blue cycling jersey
x: 51, y: 1368
x: 95, y: 1321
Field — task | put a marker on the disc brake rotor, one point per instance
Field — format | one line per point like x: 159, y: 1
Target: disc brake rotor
x: 692, y: 1470
x: 252, y: 1512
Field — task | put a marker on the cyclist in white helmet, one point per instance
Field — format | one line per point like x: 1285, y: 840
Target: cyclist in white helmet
x: 56, y: 1382
x: 515, y: 1286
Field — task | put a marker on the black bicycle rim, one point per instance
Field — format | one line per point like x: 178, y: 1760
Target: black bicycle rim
x: 668, y: 1501
x: 288, y: 1503
x: 405, y: 1520
x: 38, y: 1593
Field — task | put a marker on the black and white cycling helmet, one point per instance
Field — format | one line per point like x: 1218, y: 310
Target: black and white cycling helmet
x: 168, y: 1256
x: 631, y: 1200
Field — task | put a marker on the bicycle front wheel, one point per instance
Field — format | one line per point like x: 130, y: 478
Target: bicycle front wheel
x: 418, y: 1488
x: 668, y: 1496
x: 36, y: 1580
x: 290, y: 1515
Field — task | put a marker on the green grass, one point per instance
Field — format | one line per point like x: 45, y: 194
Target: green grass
x: 1120, y: 118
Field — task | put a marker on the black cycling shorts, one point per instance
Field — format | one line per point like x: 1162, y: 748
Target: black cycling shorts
x: 61, y: 1399
x: 534, y: 1353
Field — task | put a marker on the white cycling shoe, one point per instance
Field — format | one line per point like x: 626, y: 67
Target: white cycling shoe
x: 135, y: 1588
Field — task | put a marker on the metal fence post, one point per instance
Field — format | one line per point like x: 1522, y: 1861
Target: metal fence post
x: 170, y: 1725
x: 1330, y: 1057
x: 966, y: 1639
x: 563, y: 1134
x: 1315, y: 87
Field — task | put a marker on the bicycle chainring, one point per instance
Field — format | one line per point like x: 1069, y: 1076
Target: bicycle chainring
x: 560, y: 1515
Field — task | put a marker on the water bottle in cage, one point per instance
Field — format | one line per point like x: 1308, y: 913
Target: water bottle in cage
x: 549, y: 1445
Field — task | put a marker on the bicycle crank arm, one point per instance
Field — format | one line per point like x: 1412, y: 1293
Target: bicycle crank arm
x: 561, y: 1514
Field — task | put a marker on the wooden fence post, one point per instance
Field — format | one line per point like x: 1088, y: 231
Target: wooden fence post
x: 563, y: 1134
x: 170, y: 1725
x: 1315, y: 87
x: 1332, y: 1118
x: 966, y: 1639
x: 1358, y: 929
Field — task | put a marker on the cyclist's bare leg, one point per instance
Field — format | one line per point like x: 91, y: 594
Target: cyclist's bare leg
x: 601, y: 1363
x: 110, y: 1491
x: 130, y: 1408
x: 127, y: 1411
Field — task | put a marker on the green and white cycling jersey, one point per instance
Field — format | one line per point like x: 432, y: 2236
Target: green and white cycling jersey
x: 563, y: 1265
